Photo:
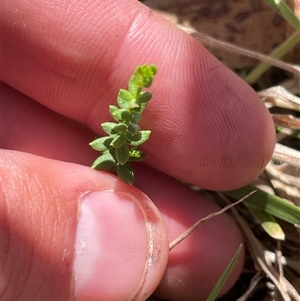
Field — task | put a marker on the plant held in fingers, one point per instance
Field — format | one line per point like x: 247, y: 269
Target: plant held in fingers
x: 120, y: 147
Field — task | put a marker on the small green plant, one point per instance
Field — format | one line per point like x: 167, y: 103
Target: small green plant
x: 120, y: 147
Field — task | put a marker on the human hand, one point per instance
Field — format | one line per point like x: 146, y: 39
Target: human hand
x: 208, y: 128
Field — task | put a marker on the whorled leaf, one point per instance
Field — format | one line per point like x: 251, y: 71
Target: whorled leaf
x: 144, y: 137
x: 121, y: 115
x: 144, y: 97
x: 120, y: 128
x: 104, y: 162
x: 124, y: 98
x: 133, y: 88
x: 122, y: 154
x: 135, y: 117
x: 126, y: 95
x: 133, y: 129
x: 118, y: 140
x: 125, y: 172
x: 108, y: 127
x: 102, y: 144
x: 112, y: 110
x: 131, y: 138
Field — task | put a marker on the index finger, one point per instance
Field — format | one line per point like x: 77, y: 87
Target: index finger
x: 208, y: 127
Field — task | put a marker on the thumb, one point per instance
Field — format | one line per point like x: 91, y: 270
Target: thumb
x: 69, y: 232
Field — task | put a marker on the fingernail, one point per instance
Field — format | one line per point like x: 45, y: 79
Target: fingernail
x: 111, y: 247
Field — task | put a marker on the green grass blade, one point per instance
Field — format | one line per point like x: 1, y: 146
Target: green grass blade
x: 285, y: 47
x: 285, y: 12
x: 267, y: 202
x: 268, y: 222
x: 216, y: 290
x: 277, y: 53
x: 272, y: 4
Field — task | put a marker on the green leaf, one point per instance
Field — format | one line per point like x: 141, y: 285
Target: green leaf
x: 149, y: 73
x: 134, y: 105
x: 269, y: 203
x: 102, y: 144
x: 125, y: 172
x: 144, y: 97
x: 150, y: 70
x: 268, y: 222
x: 277, y: 53
x: 282, y: 8
x: 126, y: 95
x: 118, y: 140
x: 108, y: 126
x: 216, y: 290
x: 135, y: 117
x: 153, y: 70
x: 104, y: 162
x: 148, y: 82
x: 136, y: 155
x: 112, y: 110
x: 143, y: 77
x: 139, y: 71
x: 124, y: 98
x: 133, y: 88
x: 133, y: 137
x: 144, y: 137
x: 133, y: 128
x: 122, y: 154
x: 121, y: 115
x: 143, y: 107
x: 120, y: 128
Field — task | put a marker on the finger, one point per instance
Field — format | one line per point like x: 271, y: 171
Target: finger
x: 39, y: 219
x: 199, y: 256
x: 208, y: 127
x: 30, y: 127
x: 48, y: 207
x: 197, y: 263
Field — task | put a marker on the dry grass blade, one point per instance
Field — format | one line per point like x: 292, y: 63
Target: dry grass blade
x: 287, y: 121
x: 285, y: 182
x: 280, y: 97
x: 258, y: 251
x: 207, y: 40
x: 254, y: 282
x: 286, y: 154
x: 190, y: 230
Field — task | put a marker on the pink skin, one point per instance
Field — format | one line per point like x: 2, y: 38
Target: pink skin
x: 75, y: 56
x: 39, y: 222
x: 208, y: 128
